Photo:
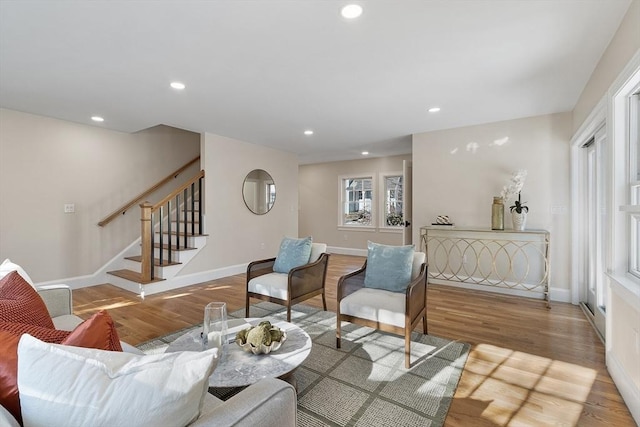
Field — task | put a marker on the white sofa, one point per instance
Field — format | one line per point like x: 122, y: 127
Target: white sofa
x: 270, y: 402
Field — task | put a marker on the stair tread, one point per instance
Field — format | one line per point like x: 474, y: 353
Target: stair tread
x: 156, y: 261
x: 133, y: 276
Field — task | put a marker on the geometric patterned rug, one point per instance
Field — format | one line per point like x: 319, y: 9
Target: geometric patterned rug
x: 364, y: 383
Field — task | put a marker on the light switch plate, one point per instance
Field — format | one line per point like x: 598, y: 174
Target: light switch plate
x: 69, y: 208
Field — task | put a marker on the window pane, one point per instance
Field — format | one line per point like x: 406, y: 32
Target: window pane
x: 393, y: 210
x: 357, y: 201
x: 634, y: 258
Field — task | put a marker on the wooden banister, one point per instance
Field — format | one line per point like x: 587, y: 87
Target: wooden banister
x: 145, y: 193
x: 158, y: 219
x: 178, y: 190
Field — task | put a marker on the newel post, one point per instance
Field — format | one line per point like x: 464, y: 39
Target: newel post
x: 146, y: 241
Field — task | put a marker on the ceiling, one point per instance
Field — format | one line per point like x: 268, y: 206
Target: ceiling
x: 265, y: 71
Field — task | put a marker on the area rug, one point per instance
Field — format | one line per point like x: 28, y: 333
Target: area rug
x: 364, y: 383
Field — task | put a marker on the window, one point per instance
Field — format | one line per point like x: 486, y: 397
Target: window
x: 357, y: 201
x: 393, y: 210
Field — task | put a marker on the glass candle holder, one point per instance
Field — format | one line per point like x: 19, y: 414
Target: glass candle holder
x: 214, y: 329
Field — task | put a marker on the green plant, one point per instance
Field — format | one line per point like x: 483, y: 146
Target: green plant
x: 518, y: 206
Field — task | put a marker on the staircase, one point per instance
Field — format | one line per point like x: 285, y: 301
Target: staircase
x: 172, y: 233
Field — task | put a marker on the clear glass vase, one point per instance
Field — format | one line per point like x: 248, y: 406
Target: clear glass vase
x: 214, y: 328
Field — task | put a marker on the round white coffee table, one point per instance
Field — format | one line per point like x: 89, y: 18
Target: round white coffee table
x: 237, y: 368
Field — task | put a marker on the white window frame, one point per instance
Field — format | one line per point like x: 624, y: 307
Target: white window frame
x: 382, y: 204
x: 342, y: 201
x: 627, y: 209
x: 632, y: 209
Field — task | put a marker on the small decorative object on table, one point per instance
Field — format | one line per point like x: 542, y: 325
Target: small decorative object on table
x: 442, y: 220
x: 514, y: 187
x: 261, y: 339
x: 497, y: 214
x: 519, y: 214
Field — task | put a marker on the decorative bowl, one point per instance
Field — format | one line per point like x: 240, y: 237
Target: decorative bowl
x: 262, y: 349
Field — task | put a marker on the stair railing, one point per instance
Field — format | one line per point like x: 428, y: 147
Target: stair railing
x: 178, y: 207
x: 123, y: 209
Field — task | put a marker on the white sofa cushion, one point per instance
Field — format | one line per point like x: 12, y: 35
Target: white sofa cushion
x: 7, y: 267
x: 6, y: 419
x: 272, y: 284
x: 377, y: 305
x: 63, y: 385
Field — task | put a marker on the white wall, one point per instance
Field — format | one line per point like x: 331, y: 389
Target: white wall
x: 623, y: 46
x: 457, y: 172
x: 319, y: 201
x: 236, y: 235
x: 46, y: 163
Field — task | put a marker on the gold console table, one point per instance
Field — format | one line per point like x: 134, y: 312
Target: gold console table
x: 507, y: 259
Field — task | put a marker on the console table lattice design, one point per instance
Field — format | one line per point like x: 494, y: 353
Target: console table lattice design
x: 507, y: 259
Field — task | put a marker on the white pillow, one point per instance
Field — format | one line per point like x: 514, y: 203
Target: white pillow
x: 72, y: 386
x: 7, y: 267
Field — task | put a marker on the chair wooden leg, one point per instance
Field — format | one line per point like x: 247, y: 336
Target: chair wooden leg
x: 246, y: 310
x: 324, y: 302
x: 338, y: 324
x: 407, y: 349
x: 424, y: 323
x: 289, y: 313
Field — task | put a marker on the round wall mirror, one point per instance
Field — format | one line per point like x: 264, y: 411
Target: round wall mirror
x: 259, y: 191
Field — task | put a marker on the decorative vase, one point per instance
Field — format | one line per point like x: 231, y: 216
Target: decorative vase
x: 497, y: 214
x: 519, y: 220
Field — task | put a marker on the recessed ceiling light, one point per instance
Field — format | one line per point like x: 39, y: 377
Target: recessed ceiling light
x: 365, y: 153
x: 308, y: 132
x: 97, y: 119
x: 351, y: 11
x: 177, y: 85
x: 434, y: 109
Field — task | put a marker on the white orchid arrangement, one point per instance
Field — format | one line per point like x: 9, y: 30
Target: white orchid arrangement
x: 515, y: 185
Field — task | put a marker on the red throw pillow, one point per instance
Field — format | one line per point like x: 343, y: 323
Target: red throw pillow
x: 43, y: 334
x: 9, y: 374
x: 98, y: 331
x: 20, y: 303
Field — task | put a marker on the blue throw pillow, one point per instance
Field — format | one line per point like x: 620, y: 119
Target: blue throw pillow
x: 292, y: 253
x: 388, y: 267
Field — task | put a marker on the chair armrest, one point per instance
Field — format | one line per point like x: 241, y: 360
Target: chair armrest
x: 351, y: 282
x: 268, y: 403
x: 57, y: 298
x: 260, y: 267
x: 417, y: 293
x: 309, y: 277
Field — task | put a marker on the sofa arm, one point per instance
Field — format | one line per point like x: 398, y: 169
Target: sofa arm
x: 268, y: 403
x: 57, y: 298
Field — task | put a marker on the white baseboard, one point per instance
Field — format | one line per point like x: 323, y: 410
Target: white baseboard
x: 559, y: 295
x: 629, y: 392
x: 346, y: 251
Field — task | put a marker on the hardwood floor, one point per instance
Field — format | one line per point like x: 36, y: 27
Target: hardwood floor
x: 528, y: 366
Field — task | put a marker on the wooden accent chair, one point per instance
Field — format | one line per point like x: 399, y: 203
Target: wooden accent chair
x: 301, y: 283
x: 395, y: 312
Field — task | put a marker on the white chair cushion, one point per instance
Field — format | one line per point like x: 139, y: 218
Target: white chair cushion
x: 272, y: 284
x: 377, y: 305
x: 418, y: 260
x: 317, y: 249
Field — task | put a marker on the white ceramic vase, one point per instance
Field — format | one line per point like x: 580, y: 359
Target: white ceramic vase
x: 519, y: 220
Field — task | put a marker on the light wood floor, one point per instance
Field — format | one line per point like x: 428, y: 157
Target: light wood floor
x: 529, y: 366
